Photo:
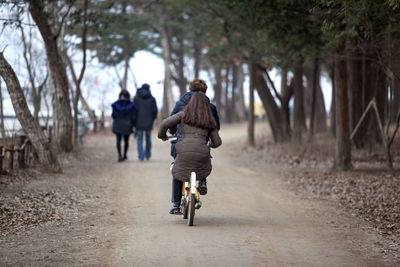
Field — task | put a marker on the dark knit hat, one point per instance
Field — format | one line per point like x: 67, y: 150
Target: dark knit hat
x: 198, y: 85
x: 145, y: 86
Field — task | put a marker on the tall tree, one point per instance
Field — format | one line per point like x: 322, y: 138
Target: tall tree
x: 41, y: 143
x: 250, y: 123
x: 168, y: 101
x: 62, y: 117
x: 299, y: 115
x: 2, y: 128
x: 78, y: 79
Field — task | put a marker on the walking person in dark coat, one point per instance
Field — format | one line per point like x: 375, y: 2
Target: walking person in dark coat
x: 124, y: 115
x: 197, y: 125
x: 196, y: 85
x: 147, y: 113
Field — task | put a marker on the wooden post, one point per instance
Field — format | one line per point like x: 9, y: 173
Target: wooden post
x: 102, y: 121
x: 1, y: 158
x: 21, y: 152
x: 11, y: 159
x: 95, y: 122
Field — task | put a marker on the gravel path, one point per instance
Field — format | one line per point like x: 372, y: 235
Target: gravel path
x: 116, y: 214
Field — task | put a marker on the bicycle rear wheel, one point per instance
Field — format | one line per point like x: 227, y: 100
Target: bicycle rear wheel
x: 191, y: 207
x: 185, y: 208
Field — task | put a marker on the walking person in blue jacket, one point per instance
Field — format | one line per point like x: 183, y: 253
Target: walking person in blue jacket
x: 147, y: 113
x: 124, y: 115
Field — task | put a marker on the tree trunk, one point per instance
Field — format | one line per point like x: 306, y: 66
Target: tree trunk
x: 42, y: 145
x: 2, y: 128
x: 333, y: 101
x: 315, y: 85
x: 395, y: 103
x: 250, y: 125
x: 36, y: 92
x: 124, y: 82
x: 218, y: 88
x: 240, y: 106
x: 298, y: 114
x: 227, y: 114
x: 270, y: 106
x: 197, y: 57
x: 168, y: 101
x: 86, y: 107
x: 78, y: 80
x: 356, y: 107
x: 182, y: 82
x: 234, y: 85
x: 62, y: 117
x: 381, y: 96
x: 372, y: 78
x: 286, y: 93
x: 320, y: 115
x: 342, y: 144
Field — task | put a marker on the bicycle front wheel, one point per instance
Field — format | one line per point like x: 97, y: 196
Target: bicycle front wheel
x: 191, y: 207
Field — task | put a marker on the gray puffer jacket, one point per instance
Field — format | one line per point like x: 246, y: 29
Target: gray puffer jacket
x: 192, y: 151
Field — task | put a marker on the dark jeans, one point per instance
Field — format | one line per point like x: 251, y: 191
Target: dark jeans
x: 126, y: 142
x: 147, y: 153
x: 176, y: 190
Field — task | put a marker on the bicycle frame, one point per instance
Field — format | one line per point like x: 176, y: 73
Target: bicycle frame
x: 190, y: 187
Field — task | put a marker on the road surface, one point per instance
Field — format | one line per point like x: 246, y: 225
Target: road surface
x: 248, y: 218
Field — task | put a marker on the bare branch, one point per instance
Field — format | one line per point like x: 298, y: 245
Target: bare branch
x: 18, y: 22
x: 62, y: 22
x: 273, y: 86
x: 84, y: 35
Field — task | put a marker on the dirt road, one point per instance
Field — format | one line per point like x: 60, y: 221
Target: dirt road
x: 248, y: 218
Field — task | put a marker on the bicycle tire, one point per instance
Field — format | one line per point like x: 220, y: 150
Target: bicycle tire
x: 185, y: 208
x: 191, y: 207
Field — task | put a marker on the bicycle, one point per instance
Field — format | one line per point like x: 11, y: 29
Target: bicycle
x: 190, y: 196
x: 190, y: 199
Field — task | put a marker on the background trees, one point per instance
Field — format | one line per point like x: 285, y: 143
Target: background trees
x: 232, y: 44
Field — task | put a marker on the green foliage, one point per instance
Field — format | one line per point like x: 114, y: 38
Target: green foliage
x: 237, y: 30
x: 113, y: 30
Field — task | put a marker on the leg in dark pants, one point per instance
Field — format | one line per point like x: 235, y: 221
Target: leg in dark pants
x: 148, y: 145
x: 140, y: 144
x: 176, y: 190
x: 126, y: 143
x: 176, y: 196
x: 119, y: 137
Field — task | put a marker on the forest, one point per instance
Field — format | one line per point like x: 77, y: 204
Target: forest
x: 287, y: 56
x: 351, y: 42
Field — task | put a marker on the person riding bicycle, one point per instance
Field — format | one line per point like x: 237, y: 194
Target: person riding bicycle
x: 196, y: 85
x: 198, y: 132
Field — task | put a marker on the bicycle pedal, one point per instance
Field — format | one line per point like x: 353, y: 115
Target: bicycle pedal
x: 197, y: 205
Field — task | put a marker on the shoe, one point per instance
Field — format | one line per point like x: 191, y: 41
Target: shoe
x: 175, y: 210
x: 120, y: 159
x: 125, y: 158
x: 203, y: 187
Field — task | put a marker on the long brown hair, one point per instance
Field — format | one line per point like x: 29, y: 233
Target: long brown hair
x: 198, y: 113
